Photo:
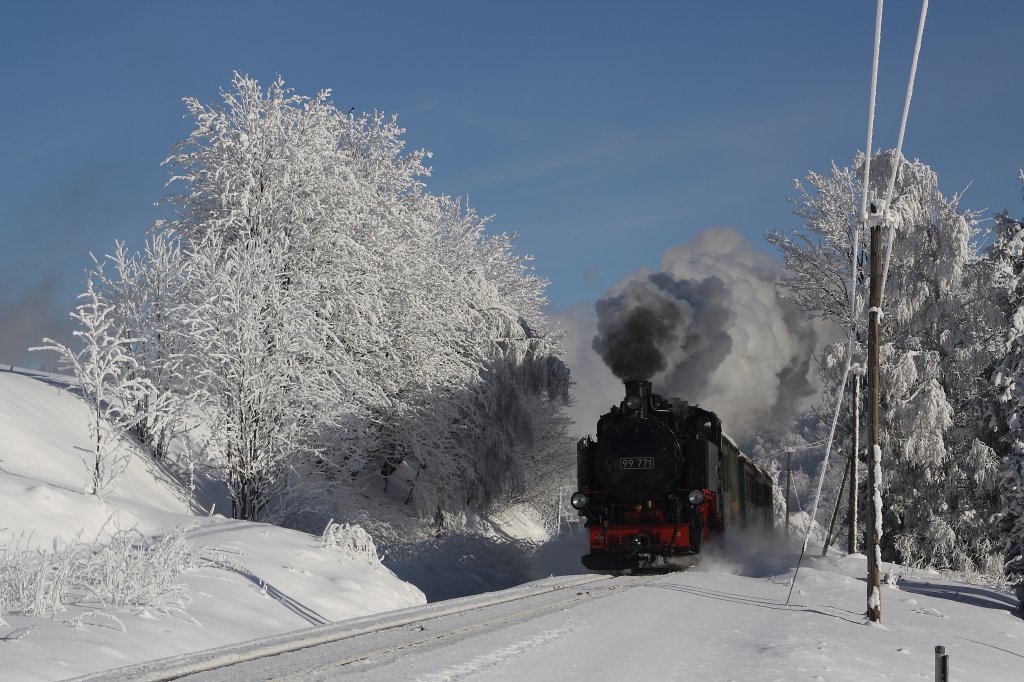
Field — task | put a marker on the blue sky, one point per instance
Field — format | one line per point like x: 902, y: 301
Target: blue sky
x: 602, y: 132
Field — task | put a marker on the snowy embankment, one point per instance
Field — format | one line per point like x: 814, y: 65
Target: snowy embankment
x: 244, y: 580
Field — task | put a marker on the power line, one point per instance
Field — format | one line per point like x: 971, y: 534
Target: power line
x: 876, y: 307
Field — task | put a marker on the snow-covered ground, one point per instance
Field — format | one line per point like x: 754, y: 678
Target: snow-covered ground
x: 713, y: 624
x: 727, y: 620
x: 255, y: 579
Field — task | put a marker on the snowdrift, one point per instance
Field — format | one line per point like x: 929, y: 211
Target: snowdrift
x: 246, y: 580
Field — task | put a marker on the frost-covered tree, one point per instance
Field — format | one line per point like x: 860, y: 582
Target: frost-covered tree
x: 262, y: 370
x: 108, y: 379
x: 343, y: 325
x: 262, y: 178
x: 938, y: 347
x: 145, y: 295
x: 481, y: 384
x: 936, y: 355
x: 517, y: 434
x: 1007, y: 255
x: 818, y: 256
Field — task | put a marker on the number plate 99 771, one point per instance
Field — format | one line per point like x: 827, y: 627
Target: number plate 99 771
x: 636, y: 462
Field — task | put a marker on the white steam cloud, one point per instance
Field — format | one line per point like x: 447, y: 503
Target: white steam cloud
x: 710, y: 328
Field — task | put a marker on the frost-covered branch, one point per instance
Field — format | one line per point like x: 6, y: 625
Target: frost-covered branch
x: 107, y: 376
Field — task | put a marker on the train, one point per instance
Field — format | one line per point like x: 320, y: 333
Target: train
x: 659, y: 481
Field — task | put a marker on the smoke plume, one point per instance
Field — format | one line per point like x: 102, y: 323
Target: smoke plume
x: 710, y: 328
x: 25, y: 321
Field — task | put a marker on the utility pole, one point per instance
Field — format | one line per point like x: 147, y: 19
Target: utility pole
x: 874, y: 587
x: 851, y: 516
x: 789, y: 480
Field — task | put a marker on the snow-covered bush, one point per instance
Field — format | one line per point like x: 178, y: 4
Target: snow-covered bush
x: 134, y: 570
x: 34, y: 582
x: 128, y: 570
x: 352, y: 540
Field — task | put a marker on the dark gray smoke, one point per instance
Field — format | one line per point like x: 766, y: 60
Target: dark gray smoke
x: 658, y: 319
x: 709, y: 327
x: 633, y: 329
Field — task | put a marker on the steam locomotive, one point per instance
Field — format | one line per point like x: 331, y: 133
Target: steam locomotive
x: 660, y: 479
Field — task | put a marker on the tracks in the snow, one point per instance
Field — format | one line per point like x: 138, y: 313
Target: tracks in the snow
x: 325, y: 652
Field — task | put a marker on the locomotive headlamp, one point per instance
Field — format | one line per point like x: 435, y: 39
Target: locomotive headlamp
x: 634, y: 402
x: 579, y: 500
x: 696, y: 497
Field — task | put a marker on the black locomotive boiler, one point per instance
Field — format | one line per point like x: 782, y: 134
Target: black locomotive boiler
x: 660, y: 479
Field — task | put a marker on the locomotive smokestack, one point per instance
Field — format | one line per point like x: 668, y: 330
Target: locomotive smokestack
x: 638, y: 396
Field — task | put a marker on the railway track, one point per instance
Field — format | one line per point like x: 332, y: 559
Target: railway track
x: 354, y: 647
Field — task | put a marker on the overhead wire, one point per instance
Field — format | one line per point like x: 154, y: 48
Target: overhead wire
x: 887, y: 206
x: 773, y: 455
x: 886, y: 209
x: 853, y: 288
